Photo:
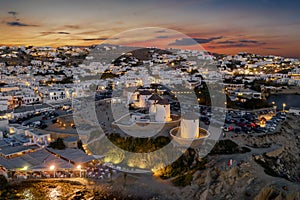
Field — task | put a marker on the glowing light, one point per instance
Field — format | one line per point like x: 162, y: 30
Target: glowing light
x: 52, y: 167
x: 78, y: 167
x: 11, y: 130
x: 283, y: 106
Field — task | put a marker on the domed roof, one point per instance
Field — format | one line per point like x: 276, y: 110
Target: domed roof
x: 163, y: 102
x: 155, y: 97
x: 145, y: 92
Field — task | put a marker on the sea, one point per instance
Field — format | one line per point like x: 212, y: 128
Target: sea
x: 291, y: 100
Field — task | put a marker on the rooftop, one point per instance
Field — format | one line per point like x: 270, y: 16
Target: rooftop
x: 10, y: 150
x: 163, y: 102
x: 155, y: 97
x: 30, y: 108
x: 37, y: 160
x: 74, y: 155
x: 145, y: 92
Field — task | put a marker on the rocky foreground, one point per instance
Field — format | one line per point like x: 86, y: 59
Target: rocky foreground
x: 271, y: 170
x: 64, y: 190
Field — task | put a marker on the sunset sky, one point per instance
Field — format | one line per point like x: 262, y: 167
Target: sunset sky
x: 222, y: 26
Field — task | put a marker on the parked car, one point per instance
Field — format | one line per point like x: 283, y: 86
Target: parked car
x: 246, y: 129
x: 237, y: 130
x: 207, y: 122
x: 227, y: 128
x: 44, y: 118
x: 261, y: 130
x: 271, y: 128
x: 282, y: 117
x: 204, y: 118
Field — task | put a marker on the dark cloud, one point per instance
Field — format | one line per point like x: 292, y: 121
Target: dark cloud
x: 55, y: 33
x: 226, y: 42
x: 63, y: 33
x: 97, y: 39
x: 193, y: 41
x: 183, y: 42
x: 162, y: 36
x: 160, y: 31
x: 238, y: 43
x: 13, y: 13
x: 207, y: 40
x: 15, y: 23
x: 94, y: 39
x: 250, y: 41
x: 47, y: 33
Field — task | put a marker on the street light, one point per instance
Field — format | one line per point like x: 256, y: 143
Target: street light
x: 52, y: 168
x: 274, y: 107
x: 283, y: 106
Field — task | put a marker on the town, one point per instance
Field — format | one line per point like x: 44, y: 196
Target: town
x: 42, y: 90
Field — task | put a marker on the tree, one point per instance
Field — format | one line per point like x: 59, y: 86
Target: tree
x: 203, y: 94
x: 194, y: 71
x: 3, y: 181
x: 79, y: 145
x: 58, y: 144
x: 255, y: 104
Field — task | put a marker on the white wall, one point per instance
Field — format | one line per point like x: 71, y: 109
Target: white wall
x: 189, y: 128
x: 163, y: 113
